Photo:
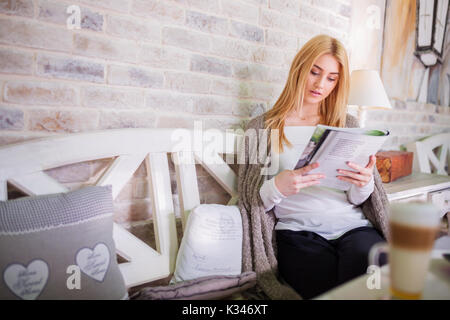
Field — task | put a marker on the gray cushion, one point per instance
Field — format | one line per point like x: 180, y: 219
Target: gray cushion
x: 204, y: 288
x: 51, y: 245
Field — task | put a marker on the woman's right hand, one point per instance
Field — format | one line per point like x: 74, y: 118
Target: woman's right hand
x: 290, y: 182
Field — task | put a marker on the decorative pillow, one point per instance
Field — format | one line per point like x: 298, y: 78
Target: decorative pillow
x: 205, y: 288
x: 211, y: 244
x: 59, y: 246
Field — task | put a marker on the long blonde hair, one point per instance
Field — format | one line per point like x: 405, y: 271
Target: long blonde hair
x: 332, y: 109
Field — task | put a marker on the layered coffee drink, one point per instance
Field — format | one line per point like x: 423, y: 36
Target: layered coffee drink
x: 413, y: 228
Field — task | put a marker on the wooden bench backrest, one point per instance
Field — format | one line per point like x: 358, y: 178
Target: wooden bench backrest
x: 23, y: 166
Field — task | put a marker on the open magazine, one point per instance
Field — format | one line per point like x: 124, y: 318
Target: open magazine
x: 332, y: 147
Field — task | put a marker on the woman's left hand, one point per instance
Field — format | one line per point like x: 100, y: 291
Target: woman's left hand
x: 363, y: 174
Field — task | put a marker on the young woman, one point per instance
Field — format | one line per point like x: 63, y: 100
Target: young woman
x: 323, y: 235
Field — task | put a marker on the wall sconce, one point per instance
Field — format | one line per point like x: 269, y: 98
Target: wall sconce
x: 431, y: 22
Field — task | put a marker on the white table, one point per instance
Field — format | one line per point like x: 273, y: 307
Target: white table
x: 433, y: 188
x: 417, y: 185
x: 437, y: 285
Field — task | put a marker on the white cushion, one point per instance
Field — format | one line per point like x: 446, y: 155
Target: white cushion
x: 212, y: 243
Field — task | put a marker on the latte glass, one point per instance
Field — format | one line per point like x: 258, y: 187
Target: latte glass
x: 413, y: 228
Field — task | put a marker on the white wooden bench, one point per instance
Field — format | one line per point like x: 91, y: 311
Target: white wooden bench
x: 23, y: 165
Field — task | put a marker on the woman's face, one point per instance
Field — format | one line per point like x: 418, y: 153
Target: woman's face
x: 322, y: 79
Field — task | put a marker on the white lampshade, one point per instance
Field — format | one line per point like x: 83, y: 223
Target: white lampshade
x: 366, y: 89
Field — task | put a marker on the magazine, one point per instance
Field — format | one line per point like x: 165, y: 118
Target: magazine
x: 332, y: 147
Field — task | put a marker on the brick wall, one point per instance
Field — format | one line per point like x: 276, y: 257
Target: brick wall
x: 407, y: 121
x: 148, y: 63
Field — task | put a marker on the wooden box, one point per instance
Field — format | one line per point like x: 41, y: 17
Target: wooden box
x: 394, y: 164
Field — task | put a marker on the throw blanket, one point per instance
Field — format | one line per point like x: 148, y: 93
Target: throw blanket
x: 259, y: 243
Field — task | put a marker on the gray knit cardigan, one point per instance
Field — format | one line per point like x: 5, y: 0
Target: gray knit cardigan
x: 259, y: 243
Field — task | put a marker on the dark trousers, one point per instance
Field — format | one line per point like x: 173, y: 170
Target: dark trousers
x: 313, y: 265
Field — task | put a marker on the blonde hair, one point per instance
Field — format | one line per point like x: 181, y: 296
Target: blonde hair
x: 332, y: 109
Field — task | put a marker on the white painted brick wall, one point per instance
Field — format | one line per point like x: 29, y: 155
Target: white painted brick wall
x: 161, y: 63
x: 407, y: 121
x: 137, y: 48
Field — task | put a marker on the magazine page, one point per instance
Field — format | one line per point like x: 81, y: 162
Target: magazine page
x: 365, y: 131
x: 318, y: 137
x: 340, y: 147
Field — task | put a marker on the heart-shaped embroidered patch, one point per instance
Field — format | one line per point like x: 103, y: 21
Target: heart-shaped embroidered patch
x: 27, y: 282
x: 94, y: 263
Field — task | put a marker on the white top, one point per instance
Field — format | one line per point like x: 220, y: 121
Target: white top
x: 325, y: 211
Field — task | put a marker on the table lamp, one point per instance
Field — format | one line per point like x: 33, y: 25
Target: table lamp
x: 367, y: 90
